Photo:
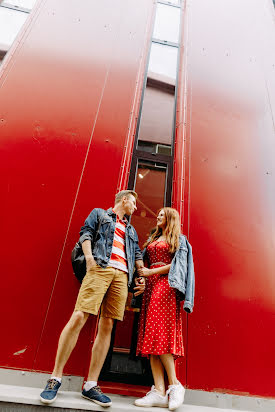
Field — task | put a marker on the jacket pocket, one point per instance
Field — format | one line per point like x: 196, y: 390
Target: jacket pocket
x: 106, y: 220
x: 183, y: 248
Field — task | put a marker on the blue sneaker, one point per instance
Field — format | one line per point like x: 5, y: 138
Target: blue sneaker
x: 49, y: 394
x: 96, y: 395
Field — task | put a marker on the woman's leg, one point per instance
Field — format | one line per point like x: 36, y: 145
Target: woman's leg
x: 157, y: 396
x: 176, y: 390
x: 158, y: 373
x: 169, y: 365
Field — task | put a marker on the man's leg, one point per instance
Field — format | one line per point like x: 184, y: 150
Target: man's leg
x: 92, y: 290
x: 67, y: 341
x: 100, y: 347
x: 113, y: 306
x: 66, y: 344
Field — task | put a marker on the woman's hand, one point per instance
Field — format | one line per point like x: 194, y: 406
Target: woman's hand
x: 145, y: 272
x: 140, y: 286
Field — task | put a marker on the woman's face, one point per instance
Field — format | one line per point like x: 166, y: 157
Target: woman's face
x: 161, y: 219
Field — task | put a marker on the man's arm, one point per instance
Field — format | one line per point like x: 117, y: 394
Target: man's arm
x: 87, y: 234
x: 139, y: 264
x: 88, y: 231
x: 138, y: 252
x: 87, y: 250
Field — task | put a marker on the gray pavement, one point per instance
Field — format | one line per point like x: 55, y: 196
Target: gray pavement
x: 22, y: 398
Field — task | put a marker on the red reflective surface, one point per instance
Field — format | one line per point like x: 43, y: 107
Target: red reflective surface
x: 65, y: 101
x: 69, y: 100
x: 225, y: 174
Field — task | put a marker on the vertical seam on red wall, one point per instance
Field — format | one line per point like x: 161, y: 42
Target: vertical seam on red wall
x: 71, y: 216
x: 181, y: 188
x: 189, y: 158
x: 188, y: 108
x: 130, y: 137
x: 180, y: 140
x: 266, y: 11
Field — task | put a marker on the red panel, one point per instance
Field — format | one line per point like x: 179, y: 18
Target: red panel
x: 227, y: 167
x: 66, y: 94
x: 123, y: 389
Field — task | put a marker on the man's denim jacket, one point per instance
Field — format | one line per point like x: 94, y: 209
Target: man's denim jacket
x: 103, y: 242
x: 181, y: 275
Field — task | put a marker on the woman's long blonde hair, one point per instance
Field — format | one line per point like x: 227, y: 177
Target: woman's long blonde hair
x: 171, y: 231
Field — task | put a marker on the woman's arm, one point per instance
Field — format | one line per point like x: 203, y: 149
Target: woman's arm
x: 161, y: 270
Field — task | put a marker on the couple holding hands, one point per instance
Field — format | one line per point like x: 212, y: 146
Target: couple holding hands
x: 165, y: 277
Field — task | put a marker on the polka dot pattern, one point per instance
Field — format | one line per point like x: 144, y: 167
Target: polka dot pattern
x: 160, y: 323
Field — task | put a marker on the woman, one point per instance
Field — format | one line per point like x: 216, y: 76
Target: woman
x: 170, y: 278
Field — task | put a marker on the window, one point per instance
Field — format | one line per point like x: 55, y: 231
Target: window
x: 164, y: 29
x: 156, y: 123
x: 152, y: 163
x: 19, y: 4
x: 151, y: 175
x: 13, y: 14
x: 151, y: 183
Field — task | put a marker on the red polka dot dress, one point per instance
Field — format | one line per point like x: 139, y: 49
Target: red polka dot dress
x: 160, y: 323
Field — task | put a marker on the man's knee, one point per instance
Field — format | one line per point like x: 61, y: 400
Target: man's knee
x: 77, y: 320
x: 105, y: 326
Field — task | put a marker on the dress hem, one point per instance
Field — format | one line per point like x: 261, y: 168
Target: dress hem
x: 146, y: 355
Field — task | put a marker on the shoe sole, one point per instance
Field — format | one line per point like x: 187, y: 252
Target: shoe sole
x: 47, y: 401
x: 175, y: 407
x: 105, y: 405
x: 151, y: 405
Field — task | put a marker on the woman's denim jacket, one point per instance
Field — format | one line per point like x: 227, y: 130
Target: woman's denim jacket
x: 181, y: 275
x: 102, y: 239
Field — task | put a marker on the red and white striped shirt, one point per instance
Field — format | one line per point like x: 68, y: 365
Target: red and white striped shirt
x: 118, y: 257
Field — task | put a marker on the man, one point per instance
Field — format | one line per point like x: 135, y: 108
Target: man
x: 110, y: 246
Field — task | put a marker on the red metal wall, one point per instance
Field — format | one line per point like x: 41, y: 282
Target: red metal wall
x: 224, y: 171
x: 67, y: 92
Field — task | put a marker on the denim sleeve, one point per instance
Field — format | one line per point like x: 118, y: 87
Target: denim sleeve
x: 190, y: 282
x: 138, y: 253
x: 88, y: 231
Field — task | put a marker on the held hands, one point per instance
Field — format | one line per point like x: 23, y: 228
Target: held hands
x: 140, y: 286
x: 144, y: 272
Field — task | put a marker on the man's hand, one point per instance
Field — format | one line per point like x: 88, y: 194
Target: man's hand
x: 140, y: 286
x: 90, y: 262
x: 87, y: 250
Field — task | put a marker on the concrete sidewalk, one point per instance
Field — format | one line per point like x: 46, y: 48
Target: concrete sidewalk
x: 19, y: 398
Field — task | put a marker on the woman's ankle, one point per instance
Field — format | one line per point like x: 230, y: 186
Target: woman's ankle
x: 160, y: 390
x: 174, y: 382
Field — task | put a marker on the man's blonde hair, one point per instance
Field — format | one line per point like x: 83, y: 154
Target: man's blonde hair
x: 120, y: 195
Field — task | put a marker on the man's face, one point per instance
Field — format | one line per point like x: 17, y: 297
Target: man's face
x: 129, y: 204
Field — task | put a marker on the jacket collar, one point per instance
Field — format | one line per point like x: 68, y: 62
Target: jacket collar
x: 110, y: 212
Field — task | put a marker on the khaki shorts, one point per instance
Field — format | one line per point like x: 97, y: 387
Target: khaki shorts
x: 105, y: 287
